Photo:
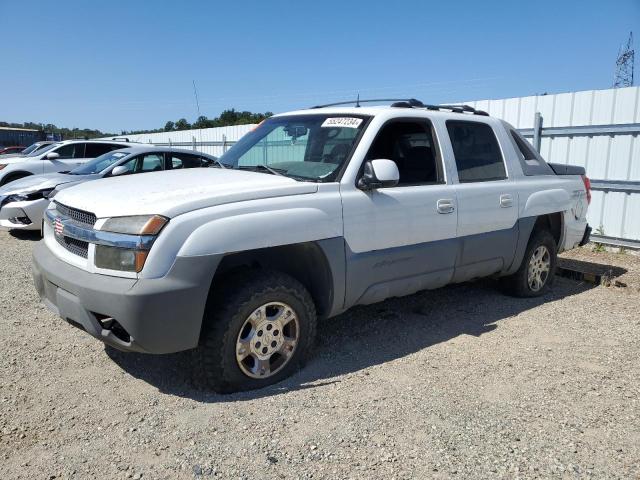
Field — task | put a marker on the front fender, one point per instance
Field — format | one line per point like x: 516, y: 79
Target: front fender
x: 255, y: 230
x: 546, y: 201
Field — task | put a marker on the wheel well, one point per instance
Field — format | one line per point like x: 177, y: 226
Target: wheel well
x: 306, y: 262
x: 14, y: 176
x: 551, y: 222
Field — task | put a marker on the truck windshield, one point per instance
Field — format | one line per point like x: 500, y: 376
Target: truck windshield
x: 100, y: 163
x: 305, y: 147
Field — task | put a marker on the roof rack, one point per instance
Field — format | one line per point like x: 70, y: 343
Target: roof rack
x: 409, y: 103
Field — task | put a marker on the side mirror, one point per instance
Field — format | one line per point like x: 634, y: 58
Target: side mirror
x: 119, y: 170
x: 52, y: 156
x: 379, y: 174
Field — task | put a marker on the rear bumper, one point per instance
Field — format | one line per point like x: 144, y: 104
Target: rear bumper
x: 161, y: 315
x: 586, y: 236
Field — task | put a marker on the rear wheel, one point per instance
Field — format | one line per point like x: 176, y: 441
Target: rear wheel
x: 258, y: 331
x: 538, y: 267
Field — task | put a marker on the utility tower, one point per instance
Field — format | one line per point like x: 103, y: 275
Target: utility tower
x: 624, y: 65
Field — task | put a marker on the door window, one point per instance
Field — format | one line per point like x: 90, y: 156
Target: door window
x: 410, y: 145
x: 476, y: 150
x: 150, y: 162
x: 71, y: 150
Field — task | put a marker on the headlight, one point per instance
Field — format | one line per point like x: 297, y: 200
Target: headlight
x: 27, y: 196
x: 128, y: 259
x: 137, y: 225
x: 2, y: 165
x: 123, y: 259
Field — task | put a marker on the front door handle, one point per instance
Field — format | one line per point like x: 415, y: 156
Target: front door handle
x: 445, y: 205
x: 506, y: 200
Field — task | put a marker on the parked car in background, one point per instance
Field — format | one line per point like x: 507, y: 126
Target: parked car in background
x: 11, y: 150
x: 318, y: 211
x: 22, y: 202
x: 57, y: 157
x: 35, y: 147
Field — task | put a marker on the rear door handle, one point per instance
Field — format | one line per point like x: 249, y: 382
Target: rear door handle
x: 506, y: 200
x: 445, y: 205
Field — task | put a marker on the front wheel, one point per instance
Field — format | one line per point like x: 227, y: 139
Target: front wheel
x: 258, y: 331
x: 538, y: 267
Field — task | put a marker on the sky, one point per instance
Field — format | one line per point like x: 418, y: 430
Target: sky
x: 124, y: 65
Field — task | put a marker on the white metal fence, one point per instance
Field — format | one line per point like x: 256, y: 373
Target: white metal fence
x: 214, y: 141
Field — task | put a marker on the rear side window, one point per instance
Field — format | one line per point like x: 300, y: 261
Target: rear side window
x: 532, y: 163
x: 476, y: 150
x: 184, y: 160
x: 96, y: 149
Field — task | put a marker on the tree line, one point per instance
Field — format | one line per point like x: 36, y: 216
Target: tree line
x: 67, y: 133
x: 226, y: 118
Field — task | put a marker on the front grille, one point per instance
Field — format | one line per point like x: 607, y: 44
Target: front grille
x: 79, y: 216
x: 77, y: 247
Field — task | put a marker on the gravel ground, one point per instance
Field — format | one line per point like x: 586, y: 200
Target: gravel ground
x: 462, y: 382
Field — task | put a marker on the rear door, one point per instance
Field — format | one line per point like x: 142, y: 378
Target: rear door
x: 487, y: 200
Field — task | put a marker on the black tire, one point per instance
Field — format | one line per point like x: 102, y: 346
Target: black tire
x: 518, y: 284
x: 12, y: 177
x: 215, y: 365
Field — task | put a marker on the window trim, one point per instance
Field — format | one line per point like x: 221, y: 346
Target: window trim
x: 500, y: 150
x: 439, y: 159
x: 529, y: 170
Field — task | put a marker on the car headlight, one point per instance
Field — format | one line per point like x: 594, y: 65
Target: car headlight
x: 128, y: 259
x: 136, y: 225
x: 27, y: 196
x: 2, y: 165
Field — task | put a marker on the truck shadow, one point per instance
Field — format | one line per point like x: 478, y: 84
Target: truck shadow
x: 364, y: 337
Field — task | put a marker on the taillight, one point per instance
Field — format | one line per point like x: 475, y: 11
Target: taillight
x: 587, y: 187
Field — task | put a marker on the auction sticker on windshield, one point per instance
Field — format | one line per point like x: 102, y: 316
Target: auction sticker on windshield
x: 348, y: 122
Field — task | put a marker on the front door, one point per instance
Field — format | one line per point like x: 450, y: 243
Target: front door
x: 401, y: 239
x: 71, y: 156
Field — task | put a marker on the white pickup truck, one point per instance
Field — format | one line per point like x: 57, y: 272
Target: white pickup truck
x: 316, y: 211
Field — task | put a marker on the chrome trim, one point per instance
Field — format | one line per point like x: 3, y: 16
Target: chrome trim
x: 79, y: 231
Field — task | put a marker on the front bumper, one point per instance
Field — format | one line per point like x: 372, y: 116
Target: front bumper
x: 25, y: 215
x: 162, y: 315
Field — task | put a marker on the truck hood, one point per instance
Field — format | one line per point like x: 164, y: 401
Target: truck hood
x: 33, y: 183
x: 172, y: 193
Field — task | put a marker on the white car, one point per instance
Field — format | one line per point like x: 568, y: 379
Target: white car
x: 319, y: 210
x: 23, y: 202
x: 57, y: 157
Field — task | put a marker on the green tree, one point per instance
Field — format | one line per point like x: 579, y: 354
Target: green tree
x: 182, y: 124
x: 169, y: 126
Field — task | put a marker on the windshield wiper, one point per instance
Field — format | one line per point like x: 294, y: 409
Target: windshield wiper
x: 273, y: 171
